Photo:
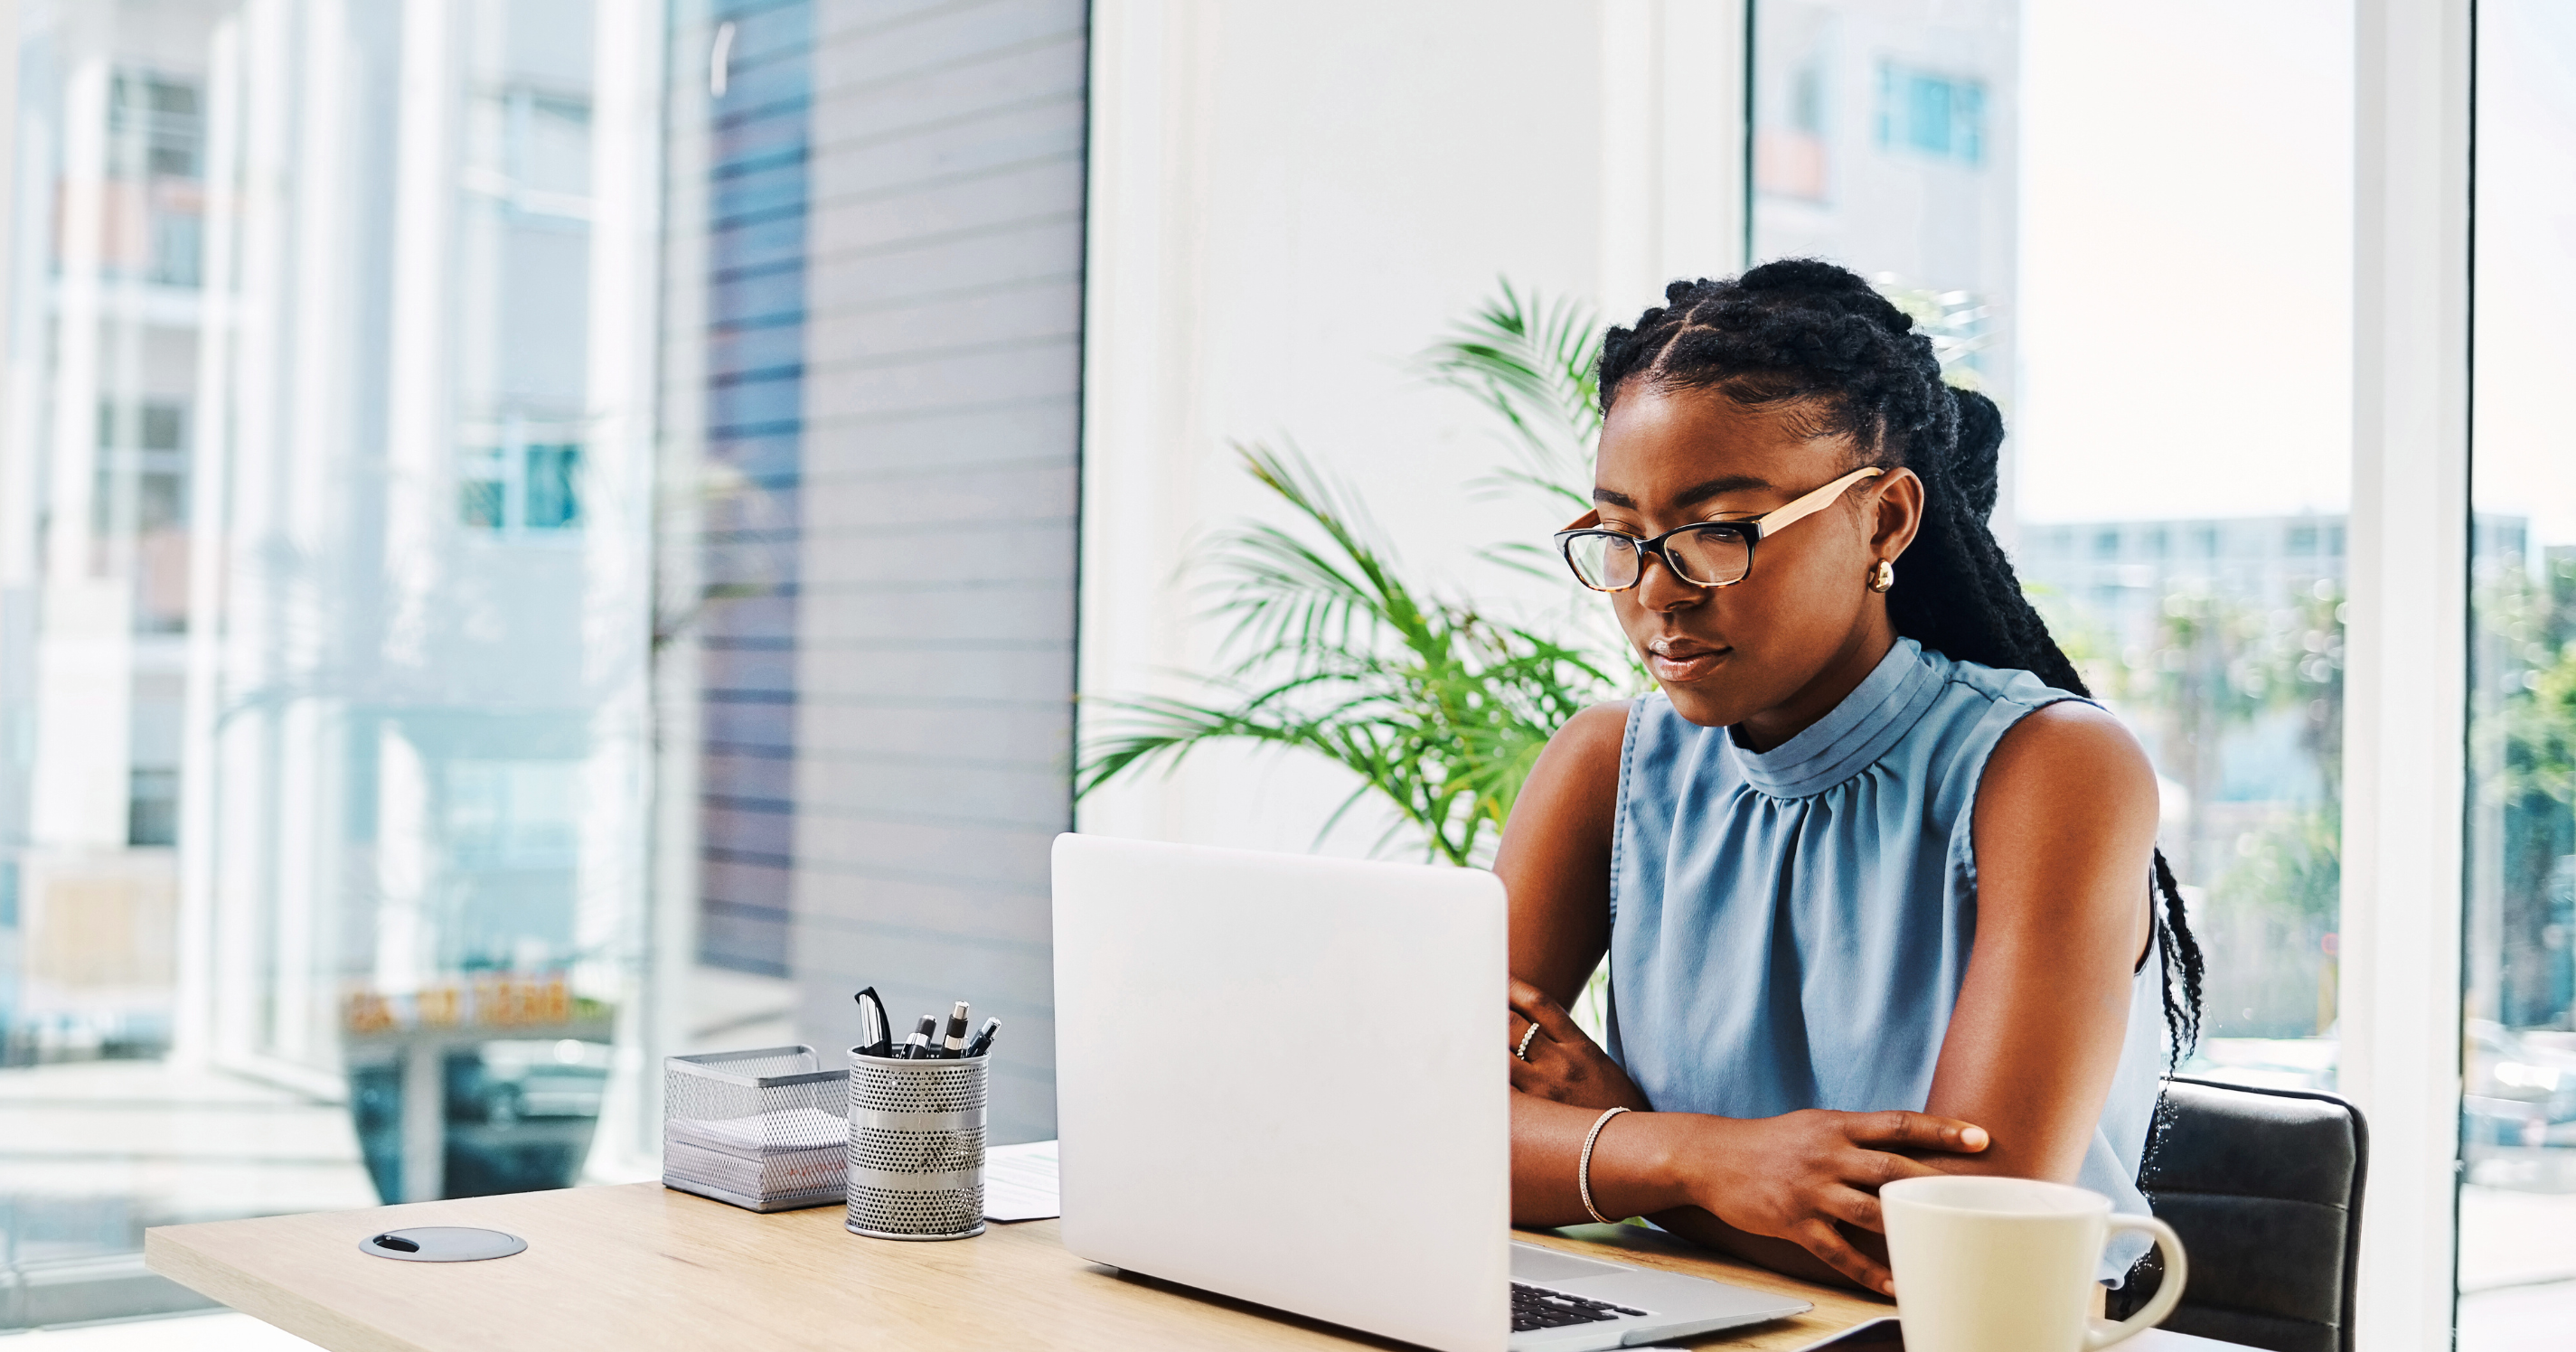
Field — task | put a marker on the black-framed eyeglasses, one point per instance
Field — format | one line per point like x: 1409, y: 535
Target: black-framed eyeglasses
x: 1704, y: 553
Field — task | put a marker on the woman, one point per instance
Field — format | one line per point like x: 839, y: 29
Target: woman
x: 1877, y: 884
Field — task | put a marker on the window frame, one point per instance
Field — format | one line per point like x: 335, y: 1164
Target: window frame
x: 2408, y: 647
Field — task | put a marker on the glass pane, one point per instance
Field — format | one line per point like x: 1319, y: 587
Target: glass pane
x: 872, y: 379
x: 2518, y: 1120
x: 1884, y: 138
x: 322, y: 625
x: 2105, y: 273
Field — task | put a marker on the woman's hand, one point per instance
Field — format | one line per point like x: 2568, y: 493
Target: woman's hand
x: 1564, y: 1064
x: 1794, y: 1176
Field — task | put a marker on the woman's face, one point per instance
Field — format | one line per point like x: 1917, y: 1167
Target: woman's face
x: 1728, y: 654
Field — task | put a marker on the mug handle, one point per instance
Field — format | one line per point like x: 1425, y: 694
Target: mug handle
x: 2177, y: 1272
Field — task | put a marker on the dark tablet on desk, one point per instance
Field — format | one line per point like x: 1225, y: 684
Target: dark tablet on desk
x: 1878, y: 1335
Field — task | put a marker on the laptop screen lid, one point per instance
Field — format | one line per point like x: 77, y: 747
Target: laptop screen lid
x: 1278, y: 1077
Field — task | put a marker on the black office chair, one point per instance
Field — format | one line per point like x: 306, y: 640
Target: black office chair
x: 2264, y: 1186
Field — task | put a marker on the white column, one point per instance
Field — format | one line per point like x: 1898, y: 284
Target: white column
x: 420, y: 424
x: 313, y: 496
x: 24, y: 277
x: 424, y: 1119
x: 78, y: 786
x: 680, y: 448
x: 209, y: 518
x: 1701, y: 174
x: 2406, y: 692
x: 1151, y: 64
x: 240, y: 764
x: 1672, y: 147
x: 1632, y: 152
x: 617, y: 535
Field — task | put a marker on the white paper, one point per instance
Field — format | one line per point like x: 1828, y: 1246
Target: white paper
x: 1019, y: 1182
x: 797, y: 1129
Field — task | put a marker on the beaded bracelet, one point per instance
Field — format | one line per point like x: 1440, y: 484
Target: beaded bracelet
x: 1583, y: 1170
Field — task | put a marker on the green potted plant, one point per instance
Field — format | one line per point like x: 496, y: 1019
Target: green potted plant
x: 1438, y: 707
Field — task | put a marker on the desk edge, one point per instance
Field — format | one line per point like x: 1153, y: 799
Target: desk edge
x: 191, y: 1267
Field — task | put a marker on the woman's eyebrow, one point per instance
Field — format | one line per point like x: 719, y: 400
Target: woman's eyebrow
x: 1729, y: 483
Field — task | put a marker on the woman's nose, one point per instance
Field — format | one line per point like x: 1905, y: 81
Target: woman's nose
x: 1660, y: 588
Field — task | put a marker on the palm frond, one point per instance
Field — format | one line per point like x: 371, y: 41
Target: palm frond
x: 1536, y: 363
x: 1436, y: 710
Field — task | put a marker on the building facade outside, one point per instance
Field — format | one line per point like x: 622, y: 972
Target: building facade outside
x: 2219, y: 640
x: 326, y: 604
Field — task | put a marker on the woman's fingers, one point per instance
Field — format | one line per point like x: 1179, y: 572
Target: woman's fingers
x: 1920, y: 1130
x: 1877, y: 1168
x: 1824, y: 1241
x: 1855, y: 1207
x: 1540, y: 1008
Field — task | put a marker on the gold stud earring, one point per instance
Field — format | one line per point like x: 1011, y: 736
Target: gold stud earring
x: 1882, y: 577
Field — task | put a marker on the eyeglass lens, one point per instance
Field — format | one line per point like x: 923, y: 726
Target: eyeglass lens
x: 1707, y: 558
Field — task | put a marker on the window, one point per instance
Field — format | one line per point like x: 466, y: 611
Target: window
x: 518, y: 489
x: 156, y: 203
x: 153, y: 817
x: 1865, y: 119
x: 2517, y: 1240
x: 324, y: 628
x: 139, y: 507
x: 1791, y: 155
x: 1940, y: 116
x: 2180, y: 553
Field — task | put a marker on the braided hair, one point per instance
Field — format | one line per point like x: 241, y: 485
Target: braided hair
x: 1816, y: 343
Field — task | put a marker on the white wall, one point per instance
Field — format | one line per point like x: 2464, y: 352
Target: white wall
x: 1288, y: 201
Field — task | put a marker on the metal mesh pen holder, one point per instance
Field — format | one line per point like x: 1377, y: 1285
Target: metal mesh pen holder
x: 917, y: 1147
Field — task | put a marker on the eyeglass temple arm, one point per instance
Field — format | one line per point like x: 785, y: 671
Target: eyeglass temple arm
x: 1787, y: 515
x: 1791, y: 513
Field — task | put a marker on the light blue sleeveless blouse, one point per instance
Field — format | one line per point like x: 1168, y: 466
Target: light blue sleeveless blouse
x: 1790, y: 928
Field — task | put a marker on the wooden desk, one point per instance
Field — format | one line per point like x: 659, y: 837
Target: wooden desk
x: 639, y: 1267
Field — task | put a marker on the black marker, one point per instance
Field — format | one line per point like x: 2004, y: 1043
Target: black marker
x: 876, y: 1038
x: 917, y: 1046
x: 984, y: 1038
x: 954, y: 1045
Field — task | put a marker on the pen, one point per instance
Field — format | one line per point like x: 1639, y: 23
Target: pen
x: 876, y: 1037
x: 917, y: 1045
x: 954, y: 1045
x: 984, y: 1038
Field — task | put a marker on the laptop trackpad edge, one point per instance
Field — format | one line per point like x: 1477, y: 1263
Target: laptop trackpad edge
x: 1540, y: 1264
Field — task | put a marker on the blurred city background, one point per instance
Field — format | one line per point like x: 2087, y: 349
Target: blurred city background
x: 541, y: 534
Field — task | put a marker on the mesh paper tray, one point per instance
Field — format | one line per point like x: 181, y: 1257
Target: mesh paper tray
x: 762, y: 1129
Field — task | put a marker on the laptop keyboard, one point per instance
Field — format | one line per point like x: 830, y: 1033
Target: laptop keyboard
x: 1536, y: 1307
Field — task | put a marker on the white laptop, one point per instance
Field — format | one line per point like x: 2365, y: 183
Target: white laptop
x: 1280, y: 1078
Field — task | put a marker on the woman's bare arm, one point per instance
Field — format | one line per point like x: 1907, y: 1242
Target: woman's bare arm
x: 1555, y: 855
x: 2065, y: 824
x: 1785, y: 1184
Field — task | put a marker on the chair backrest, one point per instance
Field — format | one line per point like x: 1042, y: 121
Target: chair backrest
x: 2264, y: 1186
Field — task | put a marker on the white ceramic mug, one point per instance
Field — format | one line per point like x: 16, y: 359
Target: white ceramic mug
x: 2007, y: 1264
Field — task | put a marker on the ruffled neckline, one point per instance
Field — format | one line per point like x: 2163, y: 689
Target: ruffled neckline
x: 1868, y: 722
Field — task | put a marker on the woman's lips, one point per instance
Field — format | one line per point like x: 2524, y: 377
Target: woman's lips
x: 1682, y: 662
